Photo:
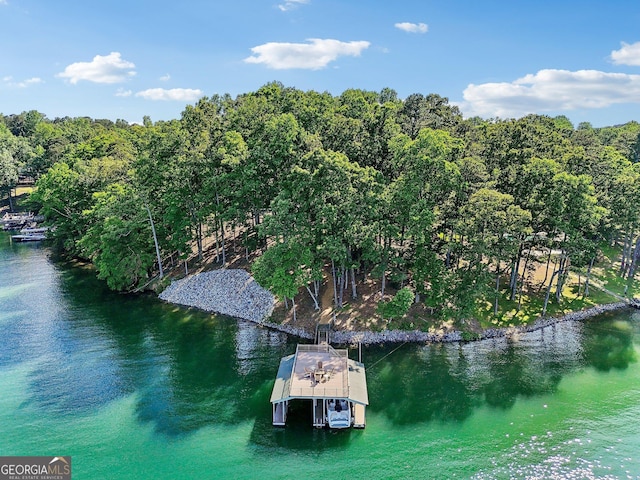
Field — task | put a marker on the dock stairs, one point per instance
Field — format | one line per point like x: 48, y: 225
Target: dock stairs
x: 323, y: 334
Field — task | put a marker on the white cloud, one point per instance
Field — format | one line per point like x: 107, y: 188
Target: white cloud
x: 165, y: 78
x: 412, y: 27
x: 29, y: 81
x: 313, y: 55
x: 551, y: 90
x: 627, y: 55
x: 121, y: 92
x: 24, y: 84
x: 4, y: 2
x: 291, y: 4
x: 102, y: 69
x: 181, y: 94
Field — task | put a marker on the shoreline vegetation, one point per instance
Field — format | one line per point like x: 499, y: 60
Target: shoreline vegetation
x: 374, y: 212
x: 233, y: 292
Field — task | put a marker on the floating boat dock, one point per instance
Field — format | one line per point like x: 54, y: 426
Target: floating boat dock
x: 28, y: 238
x: 31, y: 235
x: 335, y: 386
x: 18, y: 221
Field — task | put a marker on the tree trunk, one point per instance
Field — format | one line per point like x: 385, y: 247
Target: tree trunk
x: 447, y: 261
x: 560, y: 270
x: 579, y: 283
x: 524, y: 276
x: 555, y: 266
x: 385, y: 263
x: 346, y: 280
x: 354, y: 292
x: 221, y: 226
x: 217, y: 241
x: 339, y: 279
x: 224, y: 250
x: 459, y: 256
x: 626, y: 250
x: 341, y: 285
x: 495, y: 303
x: 335, y: 286
x: 155, y: 242
x: 313, y: 297
x: 623, y: 258
x: 546, y: 298
x: 515, y: 266
x: 10, y: 200
x: 562, y: 276
x: 634, y: 259
x: 546, y: 272
x: 513, y: 281
x: 514, y: 287
x: 293, y: 302
x: 199, y: 239
x: 588, y: 277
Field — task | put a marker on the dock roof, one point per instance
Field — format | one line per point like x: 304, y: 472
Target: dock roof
x: 343, y: 378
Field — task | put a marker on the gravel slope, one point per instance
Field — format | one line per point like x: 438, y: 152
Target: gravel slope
x: 229, y: 292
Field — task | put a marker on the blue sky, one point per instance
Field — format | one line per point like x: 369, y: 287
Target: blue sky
x: 126, y: 59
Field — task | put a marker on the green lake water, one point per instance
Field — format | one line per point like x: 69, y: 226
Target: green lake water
x: 133, y: 388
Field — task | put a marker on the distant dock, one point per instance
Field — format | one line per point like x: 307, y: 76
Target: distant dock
x: 19, y: 221
x: 32, y: 234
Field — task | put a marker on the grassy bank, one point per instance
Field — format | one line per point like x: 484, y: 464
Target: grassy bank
x: 605, y: 287
x: 20, y: 199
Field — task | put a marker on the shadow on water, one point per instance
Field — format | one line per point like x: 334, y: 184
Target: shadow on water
x: 298, y: 435
x: 448, y: 382
x: 188, y: 369
x: 609, y: 343
x: 513, y: 374
x: 422, y: 384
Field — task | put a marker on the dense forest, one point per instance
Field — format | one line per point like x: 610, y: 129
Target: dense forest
x: 450, y: 211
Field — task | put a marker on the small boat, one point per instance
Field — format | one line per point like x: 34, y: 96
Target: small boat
x: 31, y: 234
x: 32, y: 237
x: 16, y: 221
x: 339, y: 414
x: 34, y: 231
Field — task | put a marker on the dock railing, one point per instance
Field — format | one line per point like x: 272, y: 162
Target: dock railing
x: 319, y: 392
x: 324, y: 348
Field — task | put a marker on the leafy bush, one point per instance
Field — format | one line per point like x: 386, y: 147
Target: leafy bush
x: 398, y: 306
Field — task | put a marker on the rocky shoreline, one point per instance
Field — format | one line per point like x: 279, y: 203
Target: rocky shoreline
x: 417, y: 336
x: 235, y: 293
x: 231, y: 292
